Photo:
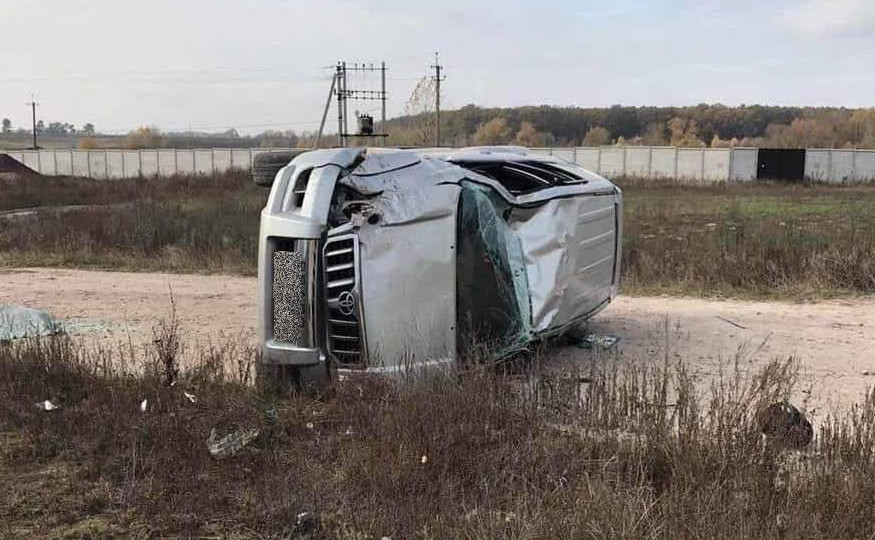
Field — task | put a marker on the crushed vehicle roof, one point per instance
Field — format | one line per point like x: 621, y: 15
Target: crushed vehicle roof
x: 550, y: 176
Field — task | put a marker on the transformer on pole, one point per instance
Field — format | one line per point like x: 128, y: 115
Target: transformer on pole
x: 365, y: 126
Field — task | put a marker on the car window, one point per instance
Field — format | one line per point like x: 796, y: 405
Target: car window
x: 520, y: 177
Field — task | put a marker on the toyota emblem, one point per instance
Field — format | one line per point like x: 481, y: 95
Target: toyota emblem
x: 346, y: 303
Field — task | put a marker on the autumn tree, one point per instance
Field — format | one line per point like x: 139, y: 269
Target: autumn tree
x: 863, y: 122
x: 88, y: 143
x: 684, y: 132
x: 420, y: 126
x: 145, y: 137
x: 717, y: 142
x: 654, y: 135
x: 495, y: 131
x: 529, y: 136
x: 802, y: 133
x: 597, y: 136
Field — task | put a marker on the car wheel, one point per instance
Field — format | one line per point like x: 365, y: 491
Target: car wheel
x: 267, y: 164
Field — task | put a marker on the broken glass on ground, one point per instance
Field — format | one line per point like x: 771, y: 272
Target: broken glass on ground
x: 230, y: 444
x: 597, y: 341
x: 18, y: 322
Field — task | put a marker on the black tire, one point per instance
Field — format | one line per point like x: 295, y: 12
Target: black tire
x: 267, y: 164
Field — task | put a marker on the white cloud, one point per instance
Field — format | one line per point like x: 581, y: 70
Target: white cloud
x: 830, y: 17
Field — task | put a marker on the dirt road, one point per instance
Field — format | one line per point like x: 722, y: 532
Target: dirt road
x: 834, y: 340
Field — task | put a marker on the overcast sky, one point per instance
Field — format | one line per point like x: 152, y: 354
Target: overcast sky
x: 259, y: 64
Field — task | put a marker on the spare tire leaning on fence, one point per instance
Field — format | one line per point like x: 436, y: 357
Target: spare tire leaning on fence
x: 267, y: 164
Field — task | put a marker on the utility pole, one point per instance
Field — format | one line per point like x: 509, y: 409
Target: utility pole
x: 339, y: 78
x: 325, y: 111
x: 345, y: 111
x: 437, y: 97
x: 383, y: 98
x: 32, y: 106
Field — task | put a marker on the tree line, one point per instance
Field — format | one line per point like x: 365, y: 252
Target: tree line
x: 50, y: 129
x: 695, y: 126
x: 537, y: 126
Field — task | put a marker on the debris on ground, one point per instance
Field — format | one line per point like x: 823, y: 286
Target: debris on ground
x: 18, y: 322
x: 306, y: 523
x: 144, y: 405
x: 230, y: 444
x: 785, y: 426
x: 190, y: 397
x: 597, y: 341
x: 733, y: 323
x: 47, y: 406
x: 77, y: 325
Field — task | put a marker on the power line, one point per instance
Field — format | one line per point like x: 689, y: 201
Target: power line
x: 161, y: 73
x: 344, y: 93
x: 227, y: 126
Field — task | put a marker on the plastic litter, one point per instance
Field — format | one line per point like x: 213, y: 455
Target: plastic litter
x: 47, y: 406
x: 190, y: 397
x: 230, y: 444
x: 144, y: 405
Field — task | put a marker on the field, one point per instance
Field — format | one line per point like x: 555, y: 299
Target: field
x: 779, y: 240
x: 750, y: 241
x: 25, y: 142
x: 101, y: 141
x: 661, y: 438
x: 206, y: 224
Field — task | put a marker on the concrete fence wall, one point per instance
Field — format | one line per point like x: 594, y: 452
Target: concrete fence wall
x: 655, y: 162
x: 709, y: 165
x: 836, y: 166
x: 108, y: 164
x: 658, y: 162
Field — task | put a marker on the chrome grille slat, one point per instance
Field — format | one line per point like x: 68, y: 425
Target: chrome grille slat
x: 338, y: 267
x: 345, y: 251
x: 341, y: 283
x: 345, y: 334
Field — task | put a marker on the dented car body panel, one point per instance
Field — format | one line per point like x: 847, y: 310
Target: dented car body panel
x: 377, y: 259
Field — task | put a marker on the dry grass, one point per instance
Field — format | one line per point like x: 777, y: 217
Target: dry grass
x: 762, y: 240
x: 185, y: 223
x: 636, y: 453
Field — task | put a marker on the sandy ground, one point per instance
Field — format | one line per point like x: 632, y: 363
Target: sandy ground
x: 834, y: 340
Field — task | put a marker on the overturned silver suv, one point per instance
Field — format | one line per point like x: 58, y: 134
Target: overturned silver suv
x: 373, y: 259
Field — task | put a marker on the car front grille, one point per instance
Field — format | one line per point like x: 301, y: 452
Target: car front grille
x: 346, y: 341
x: 289, y: 295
